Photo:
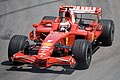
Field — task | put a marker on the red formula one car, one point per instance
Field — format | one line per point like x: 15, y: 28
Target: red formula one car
x: 69, y: 39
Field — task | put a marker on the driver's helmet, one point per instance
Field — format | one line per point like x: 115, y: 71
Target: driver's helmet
x: 64, y: 26
x: 48, y: 24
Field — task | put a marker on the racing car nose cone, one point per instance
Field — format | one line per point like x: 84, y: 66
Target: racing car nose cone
x: 47, y: 44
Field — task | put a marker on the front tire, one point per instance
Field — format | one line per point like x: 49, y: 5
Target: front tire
x: 17, y: 43
x: 82, y: 52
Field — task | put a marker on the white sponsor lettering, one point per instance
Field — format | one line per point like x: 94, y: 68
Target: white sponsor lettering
x: 49, y: 40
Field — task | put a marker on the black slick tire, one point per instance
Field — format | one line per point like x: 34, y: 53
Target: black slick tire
x: 53, y: 18
x: 82, y: 52
x: 107, y: 36
x: 17, y: 43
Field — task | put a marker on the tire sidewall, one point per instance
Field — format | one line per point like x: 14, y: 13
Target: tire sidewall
x: 88, y: 48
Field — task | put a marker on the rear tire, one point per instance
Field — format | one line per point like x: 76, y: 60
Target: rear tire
x: 82, y: 52
x: 107, y: 35
x: 49, y: 18
x: 17, y: 43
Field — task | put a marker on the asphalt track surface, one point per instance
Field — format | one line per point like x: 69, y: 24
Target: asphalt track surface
x: 17, y: 16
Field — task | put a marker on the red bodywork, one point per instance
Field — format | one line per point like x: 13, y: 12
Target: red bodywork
x: 53, y: 36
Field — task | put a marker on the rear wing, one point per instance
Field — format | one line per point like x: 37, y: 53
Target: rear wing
x: 82, y: 9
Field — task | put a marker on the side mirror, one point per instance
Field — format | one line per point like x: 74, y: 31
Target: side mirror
x: 35, y: 25
x: 88, y: 28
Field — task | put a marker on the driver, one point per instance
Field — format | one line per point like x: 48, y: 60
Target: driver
x: 65, y: 25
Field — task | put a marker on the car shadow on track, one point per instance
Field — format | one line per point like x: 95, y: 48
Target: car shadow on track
x: 30, y: 68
